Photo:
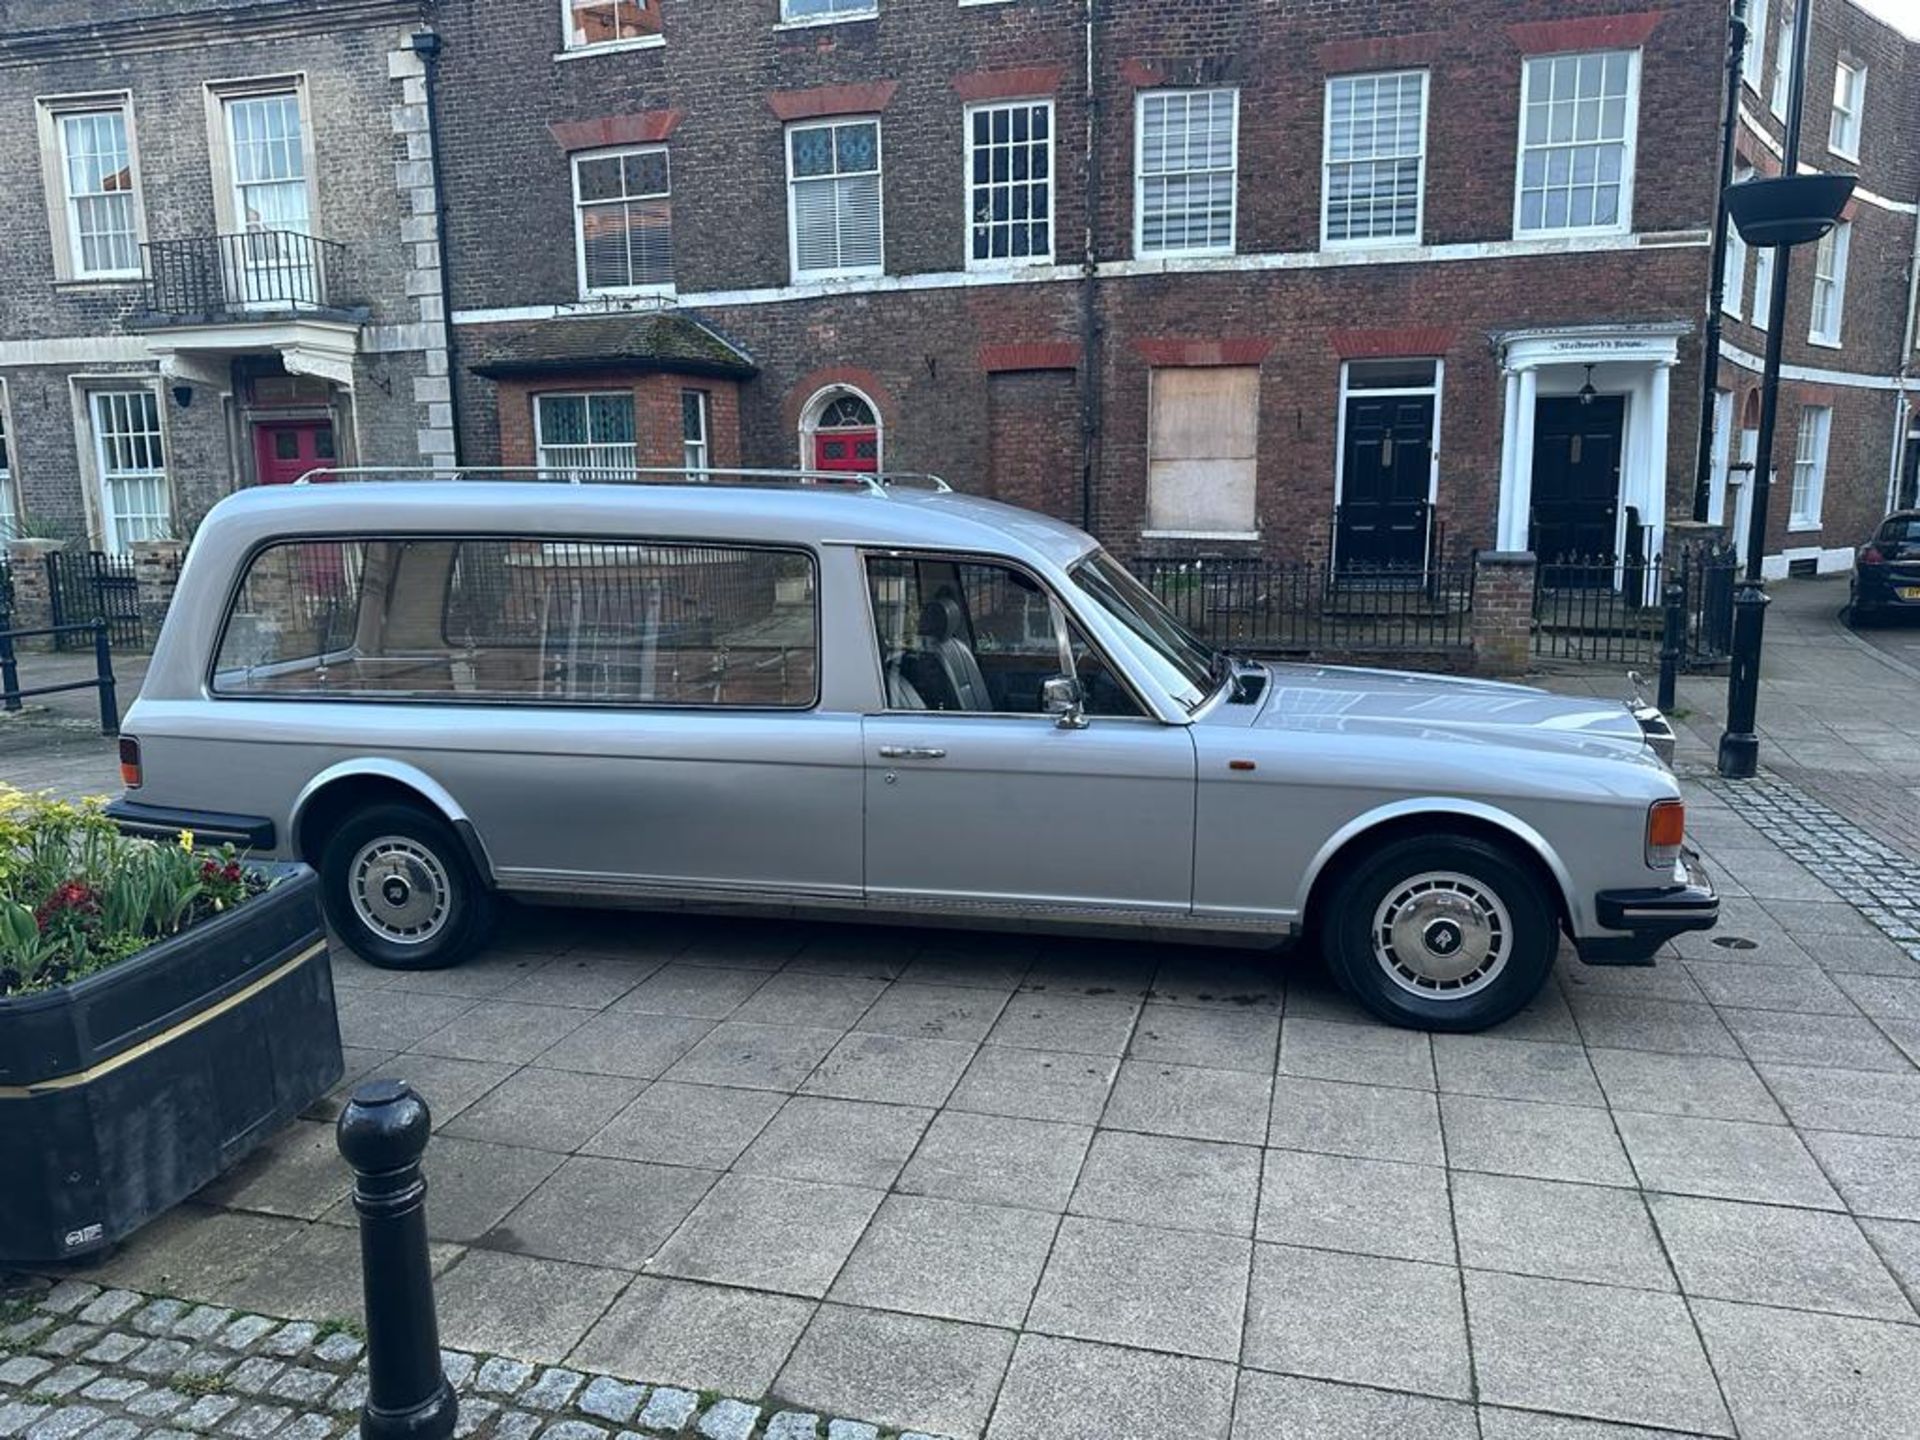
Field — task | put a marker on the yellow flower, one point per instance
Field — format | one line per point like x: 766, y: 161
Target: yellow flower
x: 186, y: 841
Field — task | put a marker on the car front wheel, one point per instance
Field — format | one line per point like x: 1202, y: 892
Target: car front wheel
x: 1448, y: 933
x: 400, y: 890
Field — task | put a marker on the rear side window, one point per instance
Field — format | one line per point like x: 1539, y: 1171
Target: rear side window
x: 532, y: 621
x: 1901, y: 530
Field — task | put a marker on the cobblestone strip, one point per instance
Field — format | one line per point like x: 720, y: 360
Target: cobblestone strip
x: 1878, y: 880
x: 81, y: 1363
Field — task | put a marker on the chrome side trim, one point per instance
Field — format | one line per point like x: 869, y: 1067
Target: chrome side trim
x: 908, y: 905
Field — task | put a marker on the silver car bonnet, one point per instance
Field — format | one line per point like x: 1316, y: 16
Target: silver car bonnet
x: 1329, y: 699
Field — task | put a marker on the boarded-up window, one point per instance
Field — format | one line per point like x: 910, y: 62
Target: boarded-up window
x: 1202, y: 432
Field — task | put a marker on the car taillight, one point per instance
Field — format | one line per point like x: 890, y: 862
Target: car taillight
x: 130, y: 762
x: 1666, y: 832
x: 1872, y: 556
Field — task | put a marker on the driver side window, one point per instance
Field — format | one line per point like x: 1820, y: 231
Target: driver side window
x: 977, y: 638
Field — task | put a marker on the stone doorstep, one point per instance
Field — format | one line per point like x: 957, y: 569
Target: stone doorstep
x: 213, y: 1371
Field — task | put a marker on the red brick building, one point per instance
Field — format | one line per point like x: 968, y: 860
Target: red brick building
x: 1200, y: 274
x: 1847, y: 445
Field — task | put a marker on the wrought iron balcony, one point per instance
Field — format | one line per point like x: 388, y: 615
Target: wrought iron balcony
x: 254, y: 274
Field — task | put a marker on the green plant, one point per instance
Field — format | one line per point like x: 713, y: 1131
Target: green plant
x: 76, y: 895
x: 199, y: 1384
x: 338, y: 1326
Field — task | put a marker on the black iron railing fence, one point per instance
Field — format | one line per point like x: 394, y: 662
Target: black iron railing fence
x: 1315, y: 606
x: 93, y: 585
x: 260, y: 271
x: 1602, y: 609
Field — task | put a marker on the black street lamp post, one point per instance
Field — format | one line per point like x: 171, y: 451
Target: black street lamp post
x: 1787, y: 210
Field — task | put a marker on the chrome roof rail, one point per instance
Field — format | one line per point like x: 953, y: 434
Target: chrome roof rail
x: 874, y: 483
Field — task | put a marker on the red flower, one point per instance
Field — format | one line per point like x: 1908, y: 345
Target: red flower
x: 73, y: 895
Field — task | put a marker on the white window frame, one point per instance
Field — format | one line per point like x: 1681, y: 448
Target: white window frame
x: 1846, y: 124
x: 1832, y: 251
x: 1327, y: 163
x: 696, y: 454
x: 830, y: 122
x: 11, y: 510
x: 219, y: 95
x: 1753, y: 61
x: 579, y: 216
x: 94, y: 394
x: 1629, y: 149
x: 1155, y: 378
x: 586, y: 397
x: 1140, y: 103
x: 569, y: 48
x: 1733, y: 295
x: 1010, y: 262
x: 1762, y: 314
x: 1805, y: 500
x: 1778, y: 95
x: 52, y: 113
x: 858, y: 10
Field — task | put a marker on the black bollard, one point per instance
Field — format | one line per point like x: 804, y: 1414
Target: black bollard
x: 382, y: 1133
x: 1673, y: 643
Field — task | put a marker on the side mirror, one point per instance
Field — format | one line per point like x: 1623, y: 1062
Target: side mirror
x: 1062, y: 696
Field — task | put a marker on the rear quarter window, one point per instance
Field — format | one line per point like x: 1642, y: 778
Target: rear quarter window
x: 540, y: 621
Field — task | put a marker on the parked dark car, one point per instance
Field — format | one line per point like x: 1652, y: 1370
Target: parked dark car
x: 1886, y: 572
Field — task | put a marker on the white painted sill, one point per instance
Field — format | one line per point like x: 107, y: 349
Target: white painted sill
x: 613, y: 47
x: 1237, y: 536
x: 813, y: 22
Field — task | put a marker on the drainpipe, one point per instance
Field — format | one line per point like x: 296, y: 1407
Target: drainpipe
x: 1904, y: 411
x: 426, y: 44
x: 1717, y: 286
x: 1090, y: 282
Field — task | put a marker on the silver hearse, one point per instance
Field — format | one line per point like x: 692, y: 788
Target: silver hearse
x: 870, y: 697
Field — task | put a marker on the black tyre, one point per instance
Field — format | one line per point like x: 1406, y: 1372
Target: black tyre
x: 399, y: 888
x: 1442, y: 933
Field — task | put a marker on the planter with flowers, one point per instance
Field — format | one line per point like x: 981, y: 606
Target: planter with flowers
x: 163, y: 1009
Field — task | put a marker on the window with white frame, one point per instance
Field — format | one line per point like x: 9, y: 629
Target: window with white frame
x: 1577, y: 125
x: 1782, y: 68
x: 585, y: 436
x: 593, y: 23
x: 1375, y: 156
x: 1754, y: 58
x: 266, y: 133
x: 9, y: 507
x: 833, y: 194
x: 1763, y: 286
x: 134, y: 503
x: 1010, y: 183
x: 1810, y: 467
x: 1733, y: 296
x: 1203, y: 431
x: 1849, y: 101
x: 623, y: 221
x: 100, y: 199
x: 803, y: 10
x: 1830, y: 284
x: 1186, y: 172
x: 696, y: 414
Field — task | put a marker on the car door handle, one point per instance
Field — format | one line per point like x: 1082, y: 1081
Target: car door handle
x: 911, y: 752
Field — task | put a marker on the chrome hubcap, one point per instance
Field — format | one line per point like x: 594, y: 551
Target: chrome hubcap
x: 1442, y: 935
x: 400, y: 890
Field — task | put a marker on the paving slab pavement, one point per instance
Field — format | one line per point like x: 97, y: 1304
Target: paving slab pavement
x: 1007, y: 1186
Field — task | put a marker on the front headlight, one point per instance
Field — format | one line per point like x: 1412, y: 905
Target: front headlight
x: 1666, y: 832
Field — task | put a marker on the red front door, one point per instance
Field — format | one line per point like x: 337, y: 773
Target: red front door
x: 846, y: 450
x: 285, y: 450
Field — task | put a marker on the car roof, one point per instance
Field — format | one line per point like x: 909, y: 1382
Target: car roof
x: 815, y: 514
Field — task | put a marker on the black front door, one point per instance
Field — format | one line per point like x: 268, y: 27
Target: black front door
x: 1576, y: 479
x: 1387, y: 469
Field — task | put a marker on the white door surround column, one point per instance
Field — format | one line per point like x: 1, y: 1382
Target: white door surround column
x: 1632, y: 360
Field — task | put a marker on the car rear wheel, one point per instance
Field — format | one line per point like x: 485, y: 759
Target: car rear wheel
x: 400, y: 890
x: 1447, y: 933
